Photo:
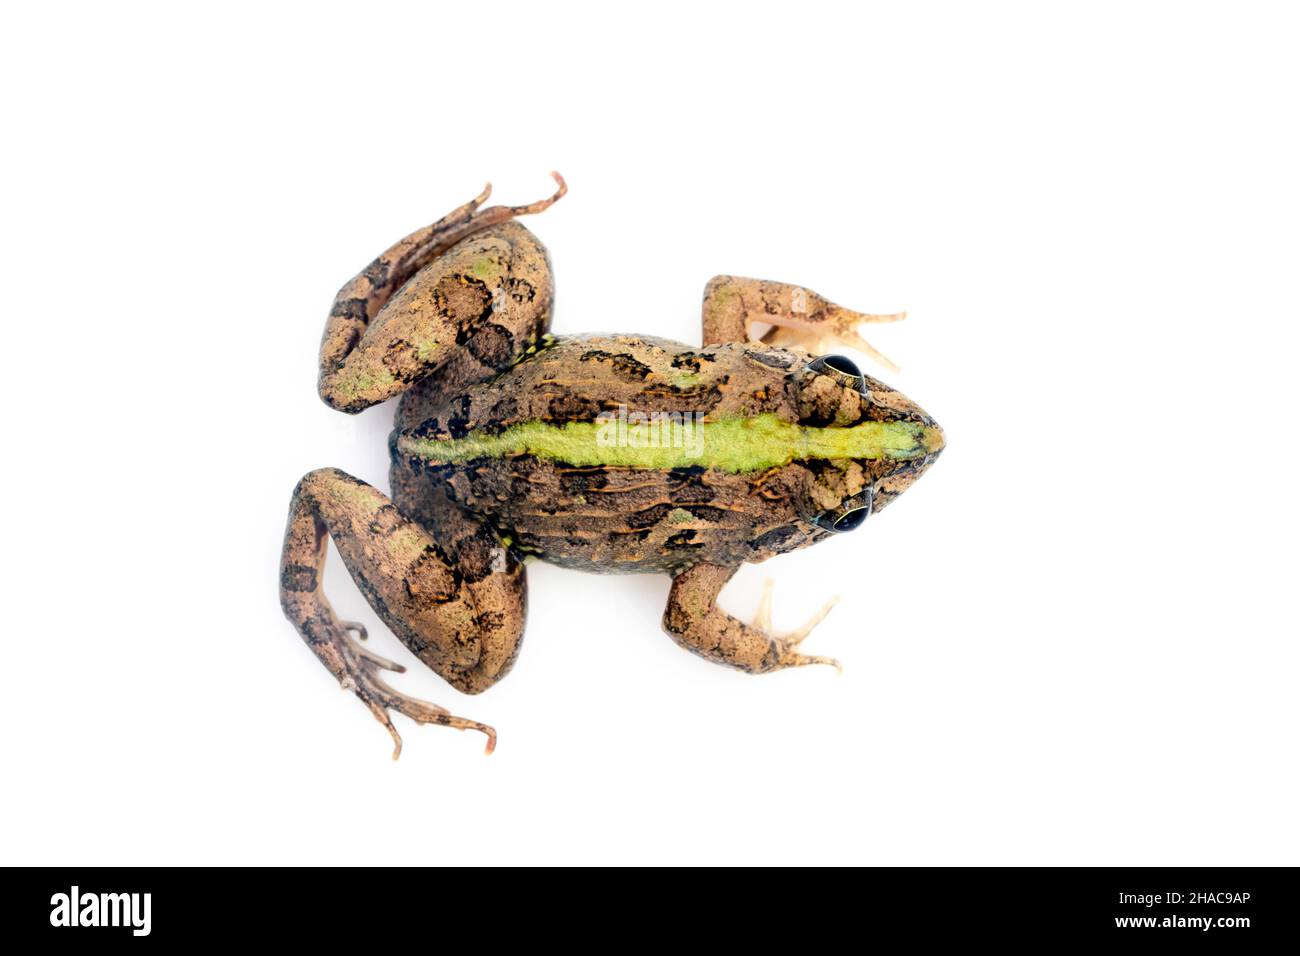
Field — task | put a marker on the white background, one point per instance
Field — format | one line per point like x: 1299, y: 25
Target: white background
x: 1073, y: 642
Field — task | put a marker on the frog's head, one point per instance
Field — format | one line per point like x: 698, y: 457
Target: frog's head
x: 867, y: 443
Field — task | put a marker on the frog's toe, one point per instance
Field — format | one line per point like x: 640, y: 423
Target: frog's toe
x: 360, y: 670
x: 853, y: 340
x: 836, y: 326
x: 357, y: 628
x: 789, y: 658
x: 532, y: 208
x: 796, y: 637
x: 381, y: 698
x: 784, y: 646
x: 383, y: 663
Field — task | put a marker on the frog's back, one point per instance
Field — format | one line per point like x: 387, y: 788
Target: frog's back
x: 637, y: 497
x: 575, y: 378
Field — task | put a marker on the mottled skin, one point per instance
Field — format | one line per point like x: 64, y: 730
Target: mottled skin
x: 454, y: 319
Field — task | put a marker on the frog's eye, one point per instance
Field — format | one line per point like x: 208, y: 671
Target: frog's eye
x: 848, y: 516
x: 842, y: 369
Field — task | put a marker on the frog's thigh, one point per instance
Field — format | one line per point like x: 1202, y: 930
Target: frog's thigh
x: 693, y: 619
x: 457, y: 602
x: 481, y: 305
x: 737, y: 309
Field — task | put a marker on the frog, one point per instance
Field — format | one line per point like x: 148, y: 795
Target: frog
x: 606, y: 453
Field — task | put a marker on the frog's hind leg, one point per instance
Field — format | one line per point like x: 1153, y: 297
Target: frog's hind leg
x: 457, y: 602
x: 694, y: 620
x: 777, y: 313
x: 471, y: 284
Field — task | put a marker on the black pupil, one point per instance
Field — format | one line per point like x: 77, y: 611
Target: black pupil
x: 851, y: 519
x: 842, y: 365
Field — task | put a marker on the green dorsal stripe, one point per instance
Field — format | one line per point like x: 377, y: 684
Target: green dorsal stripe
x: 729, y: 444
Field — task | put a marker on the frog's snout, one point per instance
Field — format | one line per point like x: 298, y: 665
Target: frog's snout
x: 932, y: 439
x: 892, y: 406
x: 927, y: 444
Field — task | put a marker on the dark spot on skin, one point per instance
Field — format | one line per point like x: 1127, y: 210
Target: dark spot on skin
x: 297, y: 578
x: 476, y: 555
x: 350, y: 309
x: 386, y: 521
x: 707, y: 513
x: 458, y: 421
x: 521, y: 290
x: 512, y: 480
x: 686, y: 360
x: 687, y: 486
x: 353, y: 338
x: 493, y: 345
x: 683, y: 539
x: 465, y: 302
x: 399, y: 358
x: 432, y: 580
x: 773, y: 359
x: 577, y: 481
x: 676, y: 618
x: 776, y: 539
x: 648, y: 517
x: 377, y: 272
x: 703, y: 397
x: 429, y: 428
x: 569, y: 407
x: 624, y: 365
x: 819, y: 418
x: 490, y: 620
x: 528, y: 542
x: 691, y: 495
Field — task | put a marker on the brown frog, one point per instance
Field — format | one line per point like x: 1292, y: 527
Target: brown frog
x: 608, y: 453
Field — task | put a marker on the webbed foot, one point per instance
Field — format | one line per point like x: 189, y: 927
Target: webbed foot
x: 785, y: 646
x: 358, y: 669
x: 737, y: 309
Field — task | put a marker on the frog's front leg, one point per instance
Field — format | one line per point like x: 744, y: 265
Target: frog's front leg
x: 473, y: 287
x: 457, y: 602
x: 786, y: 315
x: 695, y: 622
